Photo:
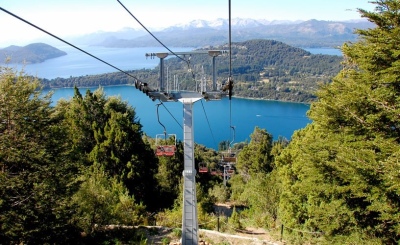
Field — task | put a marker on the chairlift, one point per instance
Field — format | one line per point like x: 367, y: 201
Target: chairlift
x: 203, y: 168
x: 162, y: 148
x: 230, y: 170
x: 214, y: 171
x: 229, y: 156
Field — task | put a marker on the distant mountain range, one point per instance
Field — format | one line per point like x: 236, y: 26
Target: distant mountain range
x: 29, y: 54
x: 200, y: 33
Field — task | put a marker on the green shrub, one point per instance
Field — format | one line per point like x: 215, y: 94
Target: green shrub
x: 234, y: 220
x: 177, y: 232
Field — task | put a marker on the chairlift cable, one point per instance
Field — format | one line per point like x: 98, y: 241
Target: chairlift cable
x: 62, y: 40
x: 158, y: 119
x: 187, y: 62
x: 230, y: 80
x: 83, y: 51
x: 172, y: 115
x: 70, y: 44
x: 208, y: 122
x: 230, y: 41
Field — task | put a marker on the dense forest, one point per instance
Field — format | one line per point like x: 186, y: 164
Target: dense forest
x: 70, y: 170
x: 262, y: 69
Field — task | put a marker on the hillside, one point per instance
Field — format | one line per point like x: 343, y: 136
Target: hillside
x: 268, y: 69
x: 29, y: 54
x: 262, y: 69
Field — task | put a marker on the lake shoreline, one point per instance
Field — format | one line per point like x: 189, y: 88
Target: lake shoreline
x: 213, y: 120
x: 233, y: 96
x: 283, y: 101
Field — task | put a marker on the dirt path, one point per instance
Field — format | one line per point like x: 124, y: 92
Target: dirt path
x: 250, y: 237
x: 209, y: 237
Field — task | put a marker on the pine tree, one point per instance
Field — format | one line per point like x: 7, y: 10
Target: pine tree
x: 256, y: 157
x: 103, y: 200
x: 36, y: 174
x: 338, y: 173
x: 106, y: 133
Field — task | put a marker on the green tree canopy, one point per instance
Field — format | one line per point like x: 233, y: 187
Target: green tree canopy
x: 36, y: 174
x: 339, y: 174
x: 106, y: 132
x: 256, y: 156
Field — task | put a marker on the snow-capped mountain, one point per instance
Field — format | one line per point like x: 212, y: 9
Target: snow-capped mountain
x: 224, y: 23
x: 198, y: 33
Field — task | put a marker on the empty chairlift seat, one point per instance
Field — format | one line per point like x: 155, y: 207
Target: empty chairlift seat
x: 166, y: 150
x: 228, y: 157
x: 166, y: 147
x: 203, y: 168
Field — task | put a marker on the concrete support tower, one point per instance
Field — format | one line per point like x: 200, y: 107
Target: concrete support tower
x: 190, y: 227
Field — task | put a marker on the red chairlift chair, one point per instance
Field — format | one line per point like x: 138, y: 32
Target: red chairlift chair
x: 203, y: 168
x: 229, y: 157
x: 167, y: 150
x: 230, y: 170
x: 164, y: 149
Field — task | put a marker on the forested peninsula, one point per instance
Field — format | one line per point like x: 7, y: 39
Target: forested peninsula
x: 29, y: 54
x: 261, y: 69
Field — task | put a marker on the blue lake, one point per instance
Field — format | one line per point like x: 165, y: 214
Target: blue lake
x: 77, y: 63
x: 211, y: 119
x: 329, y: 51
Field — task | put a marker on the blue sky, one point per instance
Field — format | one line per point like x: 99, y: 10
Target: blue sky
x: 67, y: 18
